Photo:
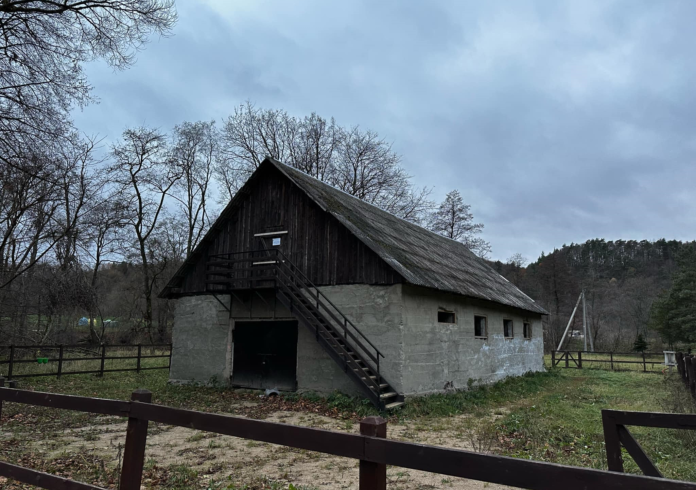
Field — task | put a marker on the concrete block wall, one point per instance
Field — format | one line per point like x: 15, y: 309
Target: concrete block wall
x: 378, y: 312
x: 201, y: 341
x: 440, y: 356
x: 421, y: 355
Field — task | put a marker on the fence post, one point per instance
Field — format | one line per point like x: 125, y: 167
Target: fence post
x: 2, y: 385
x: 373, y: 476
x: 611, y: 357
x: 140, y: 349
x: 691, y: 363
x: 171, y: 351
x: 644, y: 370
x: 680, y: 364
x: 60, y: 360
x: 567, y: 355
x: 9, y: 369
x: 687, y: 373
x: 612, y: 443
x: 103, y: 359
x: 134, y: 452
x: 553, y: 358
x: 579, y: 360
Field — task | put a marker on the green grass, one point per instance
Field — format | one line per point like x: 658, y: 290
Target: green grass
x: 553, y: 416
x: 562, y: 423
x: 481, y: 397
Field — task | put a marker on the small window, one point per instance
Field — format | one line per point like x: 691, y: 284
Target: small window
x: 445, y: 317
x: 508, y: 330
x: 527, y: 330
x: 276, y: 242
x: 480, y: 327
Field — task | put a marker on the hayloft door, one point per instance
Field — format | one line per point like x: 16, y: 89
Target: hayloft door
x: 272, y: 240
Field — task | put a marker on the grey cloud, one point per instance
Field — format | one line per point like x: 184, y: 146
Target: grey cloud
x: 558, y: 121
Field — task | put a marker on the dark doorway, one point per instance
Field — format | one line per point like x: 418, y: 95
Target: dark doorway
x: 265, y: 355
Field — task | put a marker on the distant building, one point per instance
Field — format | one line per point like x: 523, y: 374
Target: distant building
x: 299, y: 286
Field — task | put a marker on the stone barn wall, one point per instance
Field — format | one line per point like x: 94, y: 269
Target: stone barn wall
x: 421, y: 355
x: 201, y: 341
x: 441, y: 356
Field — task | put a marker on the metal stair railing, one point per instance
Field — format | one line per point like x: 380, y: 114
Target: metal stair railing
x: 279, y: 263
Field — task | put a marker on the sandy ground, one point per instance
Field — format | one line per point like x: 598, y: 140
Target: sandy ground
x: 240, y: 461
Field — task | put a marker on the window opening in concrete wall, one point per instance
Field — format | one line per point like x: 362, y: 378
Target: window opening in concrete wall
x: 480, y: 327
x: 508, y: 330
x: 527, y: 330
x: 444, y: 316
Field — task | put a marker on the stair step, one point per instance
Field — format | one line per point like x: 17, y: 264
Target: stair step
x: 382, y: 386
x: 384, y: 396
x: 371, y: 377
x: 394, y: 405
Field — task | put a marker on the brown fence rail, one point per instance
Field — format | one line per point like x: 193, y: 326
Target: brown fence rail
x: 616, y: 434
x: 371, y: 447
x: 21, y: 355
x: 615, y: 361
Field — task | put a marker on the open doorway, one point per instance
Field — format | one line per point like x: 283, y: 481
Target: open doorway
x: 265, y: 355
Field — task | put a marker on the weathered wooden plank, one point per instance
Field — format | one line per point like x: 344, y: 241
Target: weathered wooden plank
x: 67, y: 402
x: 637, y: 453
x: 42, y: 480
x: 652, y: 419
x: 321, y: 246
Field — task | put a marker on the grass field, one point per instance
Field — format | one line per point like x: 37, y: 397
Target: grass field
x: 552, y: 416
x: 85, y: 359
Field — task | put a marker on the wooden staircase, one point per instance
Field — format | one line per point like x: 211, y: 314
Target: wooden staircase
x: 339, y: 337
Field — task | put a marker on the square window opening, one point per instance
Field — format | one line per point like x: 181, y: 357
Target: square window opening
x: 446, y: 317
x: 480, y: 327
x: 527, y: 330
x: 508, y: 330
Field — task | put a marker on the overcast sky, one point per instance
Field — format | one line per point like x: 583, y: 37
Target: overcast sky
x: 557, y: 121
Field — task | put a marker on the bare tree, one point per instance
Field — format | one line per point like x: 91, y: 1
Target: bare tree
x: 317, y: 142
x: 41, y: 205
x: 355, y: 161
x: 43, y: 45
x: 194, y: 152
x: 517, y: 259
x: 369, y: 169
x: 145, y: 179
x: 454, y: 220
x: 103, y: 240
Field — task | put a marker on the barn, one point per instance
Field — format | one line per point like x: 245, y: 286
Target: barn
x: 299, y: 286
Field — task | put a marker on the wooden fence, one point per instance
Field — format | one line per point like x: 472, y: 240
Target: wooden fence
x: 686, y: 365
x: 371, y: 447
x: 616, y: 434
x: 62, y: 354
x: 616, y: 361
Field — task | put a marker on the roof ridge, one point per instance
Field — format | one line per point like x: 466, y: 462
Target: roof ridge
x: 304, y: 174
x: 295, y: 174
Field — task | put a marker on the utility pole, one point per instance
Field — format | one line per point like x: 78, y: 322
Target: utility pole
x: 589, y: 327
x: 560, y: 344
x: 584, y: 319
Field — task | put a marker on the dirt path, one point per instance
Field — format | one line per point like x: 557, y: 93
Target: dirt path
x: 242, y: 462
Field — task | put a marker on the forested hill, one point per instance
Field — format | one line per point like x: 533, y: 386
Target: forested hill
x: 622, y: 278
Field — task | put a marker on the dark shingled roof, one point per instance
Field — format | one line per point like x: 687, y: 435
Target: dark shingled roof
x: 423, y: 258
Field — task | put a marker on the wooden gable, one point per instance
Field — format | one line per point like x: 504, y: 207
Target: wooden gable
x: 326, y: 251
